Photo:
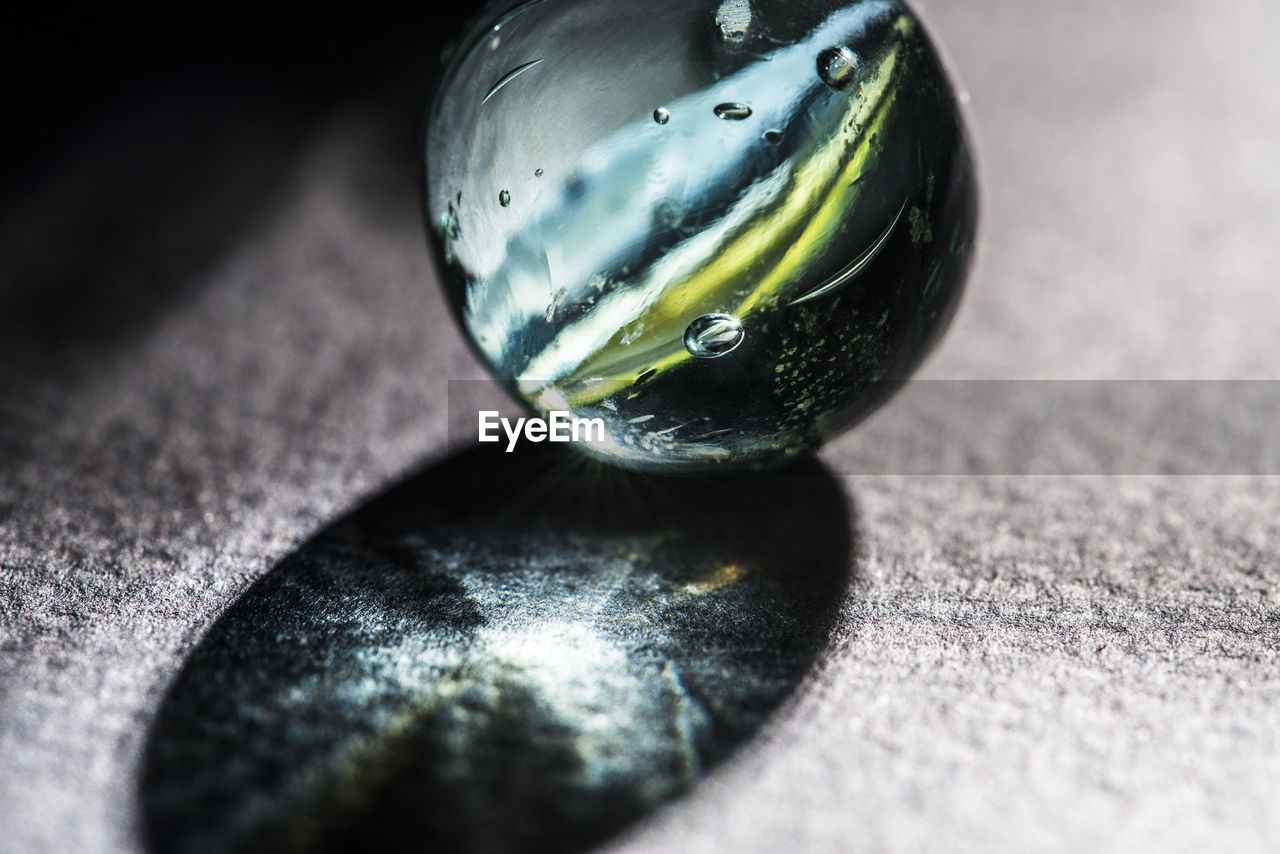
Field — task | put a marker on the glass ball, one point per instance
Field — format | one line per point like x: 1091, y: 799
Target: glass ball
x: 727, y: 228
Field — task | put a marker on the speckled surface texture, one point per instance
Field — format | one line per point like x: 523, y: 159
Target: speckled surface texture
x: 1012, y: 663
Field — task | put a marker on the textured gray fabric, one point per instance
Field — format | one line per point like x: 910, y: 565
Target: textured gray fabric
x: 1020, y: 663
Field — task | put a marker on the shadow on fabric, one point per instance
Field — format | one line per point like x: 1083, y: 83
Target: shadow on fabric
x: 502, y: 653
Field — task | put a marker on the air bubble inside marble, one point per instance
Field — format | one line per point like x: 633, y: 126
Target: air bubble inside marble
x: 713, y: 335
x: 838, y: 67
x: 733, y: 111
x: 744, y: 219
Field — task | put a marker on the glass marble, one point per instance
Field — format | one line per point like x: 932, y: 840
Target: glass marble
x: 728, y: 228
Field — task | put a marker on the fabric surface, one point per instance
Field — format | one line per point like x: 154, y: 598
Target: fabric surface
x: 221, y: 333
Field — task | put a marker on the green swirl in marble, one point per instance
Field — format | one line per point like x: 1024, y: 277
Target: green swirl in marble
x: 728, y: 229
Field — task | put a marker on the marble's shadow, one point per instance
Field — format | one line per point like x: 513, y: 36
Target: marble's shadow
x: 503, y: 653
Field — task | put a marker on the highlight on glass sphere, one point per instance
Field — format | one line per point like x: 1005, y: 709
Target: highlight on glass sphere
x: 727, y: 228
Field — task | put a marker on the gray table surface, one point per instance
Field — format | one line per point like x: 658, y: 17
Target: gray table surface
x: 1018, y: 663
